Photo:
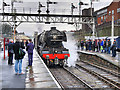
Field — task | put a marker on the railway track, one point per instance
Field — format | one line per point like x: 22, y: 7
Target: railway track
x: 105, y: 75
x: 116, y: 73
x: 68, y: 80
x: 75, y: 77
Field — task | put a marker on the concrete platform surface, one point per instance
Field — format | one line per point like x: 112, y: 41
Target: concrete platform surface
x: 38, y: 76
x: 8, y: 79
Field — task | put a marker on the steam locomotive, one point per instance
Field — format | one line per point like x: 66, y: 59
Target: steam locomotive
x: 51, y: 49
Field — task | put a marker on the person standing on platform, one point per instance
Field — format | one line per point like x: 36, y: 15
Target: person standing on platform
x: 93, y: 46
x: 26, y: 43
x: 90, y: 45
x: 101, y: 44
x: 30, y: 48
x: 98, y: 45
x: 82, y: 44
x: 18, y: 60
x: 10, y: 52
x: 113, y: 48
x: 86, y: 45
x: 108, y: 46
x: 105, y: 46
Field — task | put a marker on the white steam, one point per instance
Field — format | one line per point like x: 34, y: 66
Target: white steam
x: 71, y: 45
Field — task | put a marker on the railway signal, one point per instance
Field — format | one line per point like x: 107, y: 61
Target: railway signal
x: 81, y: 3
x: 49, y: 2
x: 40, y: 6
x: 72, y: 8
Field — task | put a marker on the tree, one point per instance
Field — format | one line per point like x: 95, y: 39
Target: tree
x: 6, y: 29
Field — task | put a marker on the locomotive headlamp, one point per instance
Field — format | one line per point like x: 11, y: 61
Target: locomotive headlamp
x: 66, y: 56
x: 54, y: 37
x: 55, y: 51
x: 47, y: 56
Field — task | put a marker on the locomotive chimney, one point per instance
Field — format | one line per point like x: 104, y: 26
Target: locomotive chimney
x: 53, y: 28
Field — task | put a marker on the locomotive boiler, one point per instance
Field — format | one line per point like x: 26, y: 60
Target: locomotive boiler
x: 51, y: 48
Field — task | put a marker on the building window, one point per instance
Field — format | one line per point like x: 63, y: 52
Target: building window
x: 112, y: 11
x: 105, y: 18
x: 109, y: 12
x: 102, y: 19
x: 118, y: 10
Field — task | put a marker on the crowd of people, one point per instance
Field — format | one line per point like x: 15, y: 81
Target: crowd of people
x: 17, y: 49
x: 98, y: 45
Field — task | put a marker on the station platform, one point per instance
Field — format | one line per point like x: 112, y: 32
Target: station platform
x: 105, y: 56
x: 36, y: 76
x: 7, y: 73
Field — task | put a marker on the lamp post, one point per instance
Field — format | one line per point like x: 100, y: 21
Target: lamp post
x: 14, y: 11
x: 112, y: 30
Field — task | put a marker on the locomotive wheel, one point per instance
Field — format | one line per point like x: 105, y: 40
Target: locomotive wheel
x: 61, y: 63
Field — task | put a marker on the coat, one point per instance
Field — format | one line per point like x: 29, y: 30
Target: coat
x: 30, y: 47
x: 10, y: 46
x: 16, y: 48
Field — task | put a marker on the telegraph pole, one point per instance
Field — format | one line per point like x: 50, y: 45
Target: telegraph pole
x: 91, y: 7
x: 48, y: 7
x: 71, y: 8
x: 79, y: 7
x: 14, y: 18
x: 112, y: 30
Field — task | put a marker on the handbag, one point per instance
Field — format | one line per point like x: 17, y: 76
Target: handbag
x: 21, y: 53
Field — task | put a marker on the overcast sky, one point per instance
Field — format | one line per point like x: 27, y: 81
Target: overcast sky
x: 63, y: 7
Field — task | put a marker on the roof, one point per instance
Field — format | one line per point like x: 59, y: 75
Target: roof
x: 23, y: 37
x: 101, y: 9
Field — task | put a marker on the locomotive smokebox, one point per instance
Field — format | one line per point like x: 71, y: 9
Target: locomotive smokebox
x: 53, y: 28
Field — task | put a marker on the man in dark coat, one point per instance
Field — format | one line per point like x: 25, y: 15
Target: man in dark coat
x: 26, y: 43
x: 86, y: 45
x: 108, y: 46
x: 93, y: 46
x: 82, y: 44
x: 90, y: 45
x: 30, y: 48
x: 113, y: 48
x: 105, y: 46
x: 16, y: 48
x: 10, y: 52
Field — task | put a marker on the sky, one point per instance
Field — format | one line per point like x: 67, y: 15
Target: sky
x: 63, y: 7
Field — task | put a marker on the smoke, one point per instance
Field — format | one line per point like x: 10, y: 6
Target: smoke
x: 71, y: 45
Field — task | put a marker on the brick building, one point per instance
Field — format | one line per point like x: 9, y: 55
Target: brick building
x: 104, y: 18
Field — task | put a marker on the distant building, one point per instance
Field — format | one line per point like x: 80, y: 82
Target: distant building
x: 104, y: 18
x: 22, y: 36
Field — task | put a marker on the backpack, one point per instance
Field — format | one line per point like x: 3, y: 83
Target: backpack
x: 21, y: 53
